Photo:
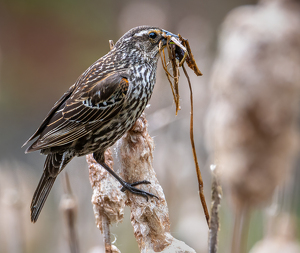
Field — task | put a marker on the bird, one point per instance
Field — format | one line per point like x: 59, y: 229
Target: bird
x: 97, y: 110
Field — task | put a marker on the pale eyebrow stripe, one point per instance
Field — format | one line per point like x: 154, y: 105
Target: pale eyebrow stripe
x: 141, y: 33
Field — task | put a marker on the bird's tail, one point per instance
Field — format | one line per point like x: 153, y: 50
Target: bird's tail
x: 53, y: 166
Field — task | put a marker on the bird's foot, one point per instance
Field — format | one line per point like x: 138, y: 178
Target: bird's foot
x: 132, y: 189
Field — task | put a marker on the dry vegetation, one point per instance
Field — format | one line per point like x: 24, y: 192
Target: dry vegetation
x: 253, y: 117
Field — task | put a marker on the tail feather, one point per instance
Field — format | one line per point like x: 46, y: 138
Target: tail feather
x: 54, y: 164
x: 40, y: 195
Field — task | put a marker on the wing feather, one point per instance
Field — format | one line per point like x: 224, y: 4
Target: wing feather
x: 81, y: 112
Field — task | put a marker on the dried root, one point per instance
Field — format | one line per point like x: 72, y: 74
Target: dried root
x: 179, y: 51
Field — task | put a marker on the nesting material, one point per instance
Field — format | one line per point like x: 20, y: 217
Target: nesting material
x: 179, y: 52
x: 252, y: 122
x: 150, y: 219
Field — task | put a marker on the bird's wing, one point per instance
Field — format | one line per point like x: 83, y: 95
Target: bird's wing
x: 87, y: 107
x: 98, y: 101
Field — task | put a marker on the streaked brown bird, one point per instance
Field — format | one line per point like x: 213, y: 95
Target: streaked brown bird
x: 98, y: 109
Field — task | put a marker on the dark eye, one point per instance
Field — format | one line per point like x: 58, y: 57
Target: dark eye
x: 152, y: 35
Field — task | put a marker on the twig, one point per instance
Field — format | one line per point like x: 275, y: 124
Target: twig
x: 200, y: 180
x: 164, y: 65
x: 214, y: 216
x: 190, y: 60
x: 106, y: 234
x: 68, y: 206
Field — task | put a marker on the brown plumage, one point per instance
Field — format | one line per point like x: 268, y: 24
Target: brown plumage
x: 98, y: 109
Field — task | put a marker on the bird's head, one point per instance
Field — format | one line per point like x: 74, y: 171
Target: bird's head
x: 143, y: 41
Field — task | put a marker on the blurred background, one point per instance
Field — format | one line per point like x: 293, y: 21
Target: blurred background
x: 44, y: 47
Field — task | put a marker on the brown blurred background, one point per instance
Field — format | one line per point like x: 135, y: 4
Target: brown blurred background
x: 44, y: 47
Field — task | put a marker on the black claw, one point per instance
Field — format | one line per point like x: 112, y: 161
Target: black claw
x: 126, y: 186
x: 140, y: 182
x: 132, y: 189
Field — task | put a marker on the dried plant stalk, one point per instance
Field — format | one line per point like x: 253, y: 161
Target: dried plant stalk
x: 216, y: 196
x: 190, y: 60
x: 68, y: 205
x: 150, y: 219
x: 198, y: 172
x: 106, y: 233
x: 172, y: 58
x: 165, y: 67
x: 108, y: 200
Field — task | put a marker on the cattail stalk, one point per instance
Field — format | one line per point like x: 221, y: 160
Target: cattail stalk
x: 216, y: 196
x: 253, y: 117
x: 108, y: 201
x: 150, y: 219
x: 68, y: 205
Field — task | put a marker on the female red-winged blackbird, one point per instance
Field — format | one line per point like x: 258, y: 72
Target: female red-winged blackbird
x: 99, y: 108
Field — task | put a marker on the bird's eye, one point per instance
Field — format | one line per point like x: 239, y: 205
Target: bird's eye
x: 152, y: 35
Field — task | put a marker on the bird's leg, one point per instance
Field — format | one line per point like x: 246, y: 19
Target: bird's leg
x: 126, y: 186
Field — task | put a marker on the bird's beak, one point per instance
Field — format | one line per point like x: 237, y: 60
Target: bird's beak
x: 174, y: 39
x: 167, y: 34
x: 170, y: 34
